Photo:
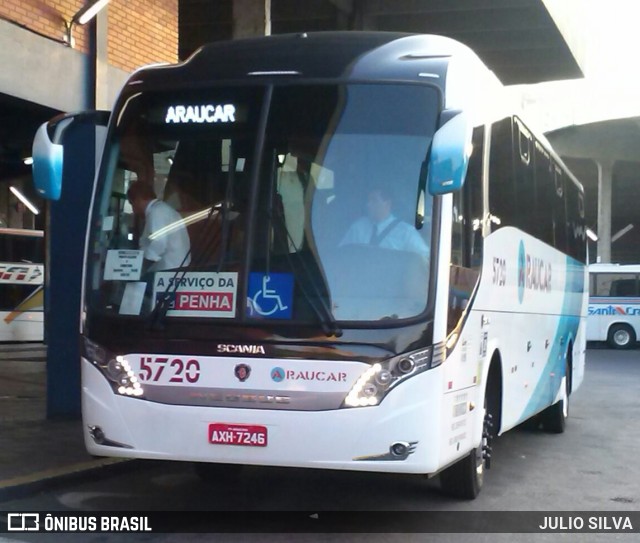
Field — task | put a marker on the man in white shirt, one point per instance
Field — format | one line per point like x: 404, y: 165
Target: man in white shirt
x: 164, y: 240
x: 381, y: 228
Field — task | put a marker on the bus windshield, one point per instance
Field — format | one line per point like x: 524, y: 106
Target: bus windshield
x: 299, y: 203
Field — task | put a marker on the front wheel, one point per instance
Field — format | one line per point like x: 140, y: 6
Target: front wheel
x: 621, y: 336
x: 465, y: 478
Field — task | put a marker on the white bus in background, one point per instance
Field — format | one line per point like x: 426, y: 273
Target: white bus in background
x: 614, y: 304
x: 21, y: 284
x: 286, y: 343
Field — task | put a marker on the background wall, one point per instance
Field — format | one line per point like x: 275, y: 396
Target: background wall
x: 139, y: 31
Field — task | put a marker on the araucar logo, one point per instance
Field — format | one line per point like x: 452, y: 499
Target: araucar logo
x: 522, y: 270
x: 534, y: 273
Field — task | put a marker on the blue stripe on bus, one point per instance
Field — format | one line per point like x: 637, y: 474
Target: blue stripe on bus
x: 555, y: 368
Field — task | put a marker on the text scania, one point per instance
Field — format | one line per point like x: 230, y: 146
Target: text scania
x: 536, y: 275
x: 207, y: 113
x: 241, y: 349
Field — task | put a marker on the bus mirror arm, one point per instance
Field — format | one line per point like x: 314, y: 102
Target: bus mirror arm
x: 421, y: 196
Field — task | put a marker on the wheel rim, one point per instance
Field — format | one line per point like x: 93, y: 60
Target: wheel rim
x: 565, y: 398
x: 480, y: 465
x: 485, y: 446
x: 621, y: 337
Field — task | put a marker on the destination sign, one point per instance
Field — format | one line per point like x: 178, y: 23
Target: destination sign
x: 205, y: 113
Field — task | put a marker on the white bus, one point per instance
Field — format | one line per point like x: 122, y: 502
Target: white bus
x: 614, y: 304
x: 311, y: 328
x: 21, y: 284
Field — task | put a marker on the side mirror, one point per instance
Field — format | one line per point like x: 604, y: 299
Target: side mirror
x: 48, y: 150
x: 450, y: 152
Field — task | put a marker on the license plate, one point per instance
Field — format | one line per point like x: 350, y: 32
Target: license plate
x: 244, y: 435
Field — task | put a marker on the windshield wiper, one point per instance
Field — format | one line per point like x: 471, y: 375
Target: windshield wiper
x: 159, y: 311
x: 322, y: 311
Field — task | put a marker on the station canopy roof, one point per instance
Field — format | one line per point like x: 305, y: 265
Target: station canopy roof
x: 518, y: 39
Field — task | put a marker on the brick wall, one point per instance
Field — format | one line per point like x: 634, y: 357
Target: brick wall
x: 140, y: 31
x: 45, y: 17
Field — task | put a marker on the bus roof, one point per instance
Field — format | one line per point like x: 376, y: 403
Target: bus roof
x: 376, y: 56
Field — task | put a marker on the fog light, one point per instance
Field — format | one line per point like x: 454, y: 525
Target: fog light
x: 97, y: 434
x: 399, y: 449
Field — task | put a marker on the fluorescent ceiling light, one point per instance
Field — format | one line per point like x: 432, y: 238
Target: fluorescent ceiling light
x: 89, y: 11
x: 24, y: 200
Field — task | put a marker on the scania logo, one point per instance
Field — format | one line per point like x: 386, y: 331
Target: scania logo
x: 240, y: 349
x: 242, y: 372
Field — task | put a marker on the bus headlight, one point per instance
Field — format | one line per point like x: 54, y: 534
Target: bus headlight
x: 376, y: 382
x: 116, y: 369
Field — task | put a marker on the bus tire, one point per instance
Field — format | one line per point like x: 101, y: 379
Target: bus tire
x: 217, y: 473
x: 621, y: 336
x: 554, y: 417
x: 464, y: 479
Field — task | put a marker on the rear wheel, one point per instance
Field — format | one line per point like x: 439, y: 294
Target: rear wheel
x: 621, y: 336
x: 554, y: 418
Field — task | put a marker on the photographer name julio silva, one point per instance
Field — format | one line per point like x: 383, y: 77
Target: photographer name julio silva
x: 596, y: 523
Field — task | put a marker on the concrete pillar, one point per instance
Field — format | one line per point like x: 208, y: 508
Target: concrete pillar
x: 605, y: 181
x: 251, y: 18
x: 363, y: 18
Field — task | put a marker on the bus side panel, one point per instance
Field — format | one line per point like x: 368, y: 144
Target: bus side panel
x: 604, y: 312
x: 21, y: 290
x: 533, y: 297
x: 463, y: 388
x: 21, y: 326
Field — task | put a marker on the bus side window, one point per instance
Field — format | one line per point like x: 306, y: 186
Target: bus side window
x: 466, y: 242
x: 576, y: 232
x: 624, y: 287
x: 592, y: 284
x: 616, y: 284
x: 545, y: 187
x: 526, y: 197
x: 501, y: 186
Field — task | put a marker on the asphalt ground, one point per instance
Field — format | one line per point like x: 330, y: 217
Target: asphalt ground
x: 37, y: 452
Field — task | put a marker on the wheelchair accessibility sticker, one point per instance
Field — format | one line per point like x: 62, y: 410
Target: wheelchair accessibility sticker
x: 270, y: 295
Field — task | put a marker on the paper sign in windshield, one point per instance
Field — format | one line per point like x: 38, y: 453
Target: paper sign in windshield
x: 197, y: 294
x: 123, y: 265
